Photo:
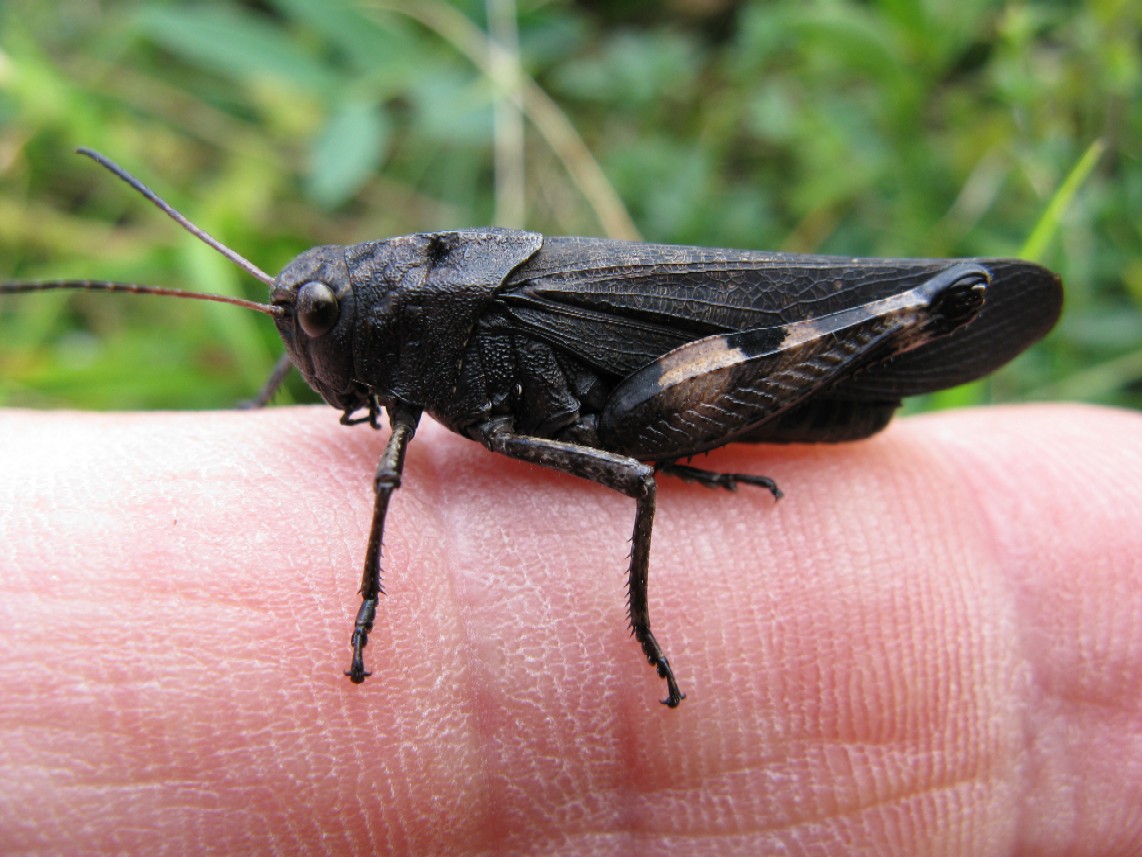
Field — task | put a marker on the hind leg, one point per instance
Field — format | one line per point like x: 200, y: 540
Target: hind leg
x: 711, y: 479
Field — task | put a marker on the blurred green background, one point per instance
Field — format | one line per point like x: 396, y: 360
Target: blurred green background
x: 884, y: 127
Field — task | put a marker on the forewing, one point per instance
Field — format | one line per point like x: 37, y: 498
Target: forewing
x: 619, y: 305
x: 725, y: 386
x: 1023, y: 303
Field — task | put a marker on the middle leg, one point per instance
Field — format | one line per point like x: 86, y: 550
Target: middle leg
x: 620, y: 473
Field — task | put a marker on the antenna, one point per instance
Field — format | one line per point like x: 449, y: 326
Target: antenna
x: 201, y: 234
x: 133, y: 288
x: 169, y: 210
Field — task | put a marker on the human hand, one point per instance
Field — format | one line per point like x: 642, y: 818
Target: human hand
x: 932, y: 644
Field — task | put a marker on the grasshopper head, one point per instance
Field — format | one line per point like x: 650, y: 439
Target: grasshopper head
x: 314, y: 296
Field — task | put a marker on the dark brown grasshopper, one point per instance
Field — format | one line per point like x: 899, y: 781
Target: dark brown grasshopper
x: 593, y: 357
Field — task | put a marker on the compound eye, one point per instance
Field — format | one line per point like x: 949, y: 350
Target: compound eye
x: 317, y: 308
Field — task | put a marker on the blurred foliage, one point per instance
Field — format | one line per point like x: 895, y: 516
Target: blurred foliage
x: 883, y: 127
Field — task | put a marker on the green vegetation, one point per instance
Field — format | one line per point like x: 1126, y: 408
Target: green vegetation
x: 884, y: 127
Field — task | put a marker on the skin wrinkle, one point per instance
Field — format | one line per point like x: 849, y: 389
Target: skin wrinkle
x: 1055, y: 741
x: 626, y: 799
x: 347, y: 520
x: 857, y: 554
x: 496, y: 735
x: 645, y: 793
x: 429, y: 466
x: 474, y: 670
x: 639, y: 786
x: 982, y: 745
x: 995, y: 521
x: 358, y: 460
x: 855, y: 811
x: 618, y: 774
x: 939, y: 609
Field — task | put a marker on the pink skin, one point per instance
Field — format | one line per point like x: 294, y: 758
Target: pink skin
x: 932, y: 645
